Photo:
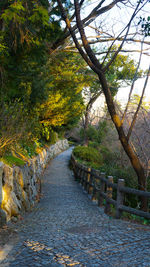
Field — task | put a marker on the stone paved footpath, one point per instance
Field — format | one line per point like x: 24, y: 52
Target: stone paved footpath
x: 67, y: 229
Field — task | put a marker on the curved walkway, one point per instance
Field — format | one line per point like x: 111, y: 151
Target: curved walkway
x: 67, y: 229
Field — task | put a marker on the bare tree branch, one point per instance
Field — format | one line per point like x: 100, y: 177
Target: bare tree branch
x: 88, y: 61
x: 86, y: 21
x: 87, y: 48
x: 102, y: 53
x: 132, y: 86
x: 136, y: 10
x: 139, y: 105
x: 123, y: 41
x: 104, y: 40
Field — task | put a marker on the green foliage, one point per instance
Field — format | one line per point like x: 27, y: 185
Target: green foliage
x: 13, y: 124
x: 95, y: 134
x: 104, y: 159
x: 61, y: 134
x: 47, y: 88
x: 26, y: 24
x: 92, y: 133
x: 88, y: 154
x: 12, y: 160
x: 102, y: 130
x: 111, y: 167
x: 121, y: 72
x: 53, y: 137
x: 108, y: 156
x: 28, y: 148
x: 64, y: 104
x: 136, y: 218
x: 93, y: 144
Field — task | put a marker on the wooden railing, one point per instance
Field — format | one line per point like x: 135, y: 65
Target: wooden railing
x: 100, y: 187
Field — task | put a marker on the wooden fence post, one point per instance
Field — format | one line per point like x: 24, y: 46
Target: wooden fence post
x: 94, y: 194
x: 88, y: 179
x: 109, y: 195
x: 82, y: 175
x: 78, y: 173
x: 75, y: 170
x: 91, y: 181
x: 102, y: 189
x: 120, y: 198
x: 85, y: 179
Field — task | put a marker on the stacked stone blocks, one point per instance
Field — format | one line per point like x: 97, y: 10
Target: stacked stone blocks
x: 20, y: 186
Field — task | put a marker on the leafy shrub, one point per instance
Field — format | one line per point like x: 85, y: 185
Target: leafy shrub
x: 94, y: 144
x: 53, y: 137
x: 48, y: 134
x: 88, y: 154
x: 102, y: 131
x: 107, y: 155
x: 61, y: 134
x: 95, y: 134
x: 91, y: 133
x: 11, y: 160
x: 30, y: 149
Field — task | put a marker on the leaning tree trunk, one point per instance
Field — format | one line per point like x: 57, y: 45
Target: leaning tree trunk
x: 136, y: 164
x: 90, y: 58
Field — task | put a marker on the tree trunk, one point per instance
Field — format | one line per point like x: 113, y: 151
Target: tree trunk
x: 95, y: 65
x: 124, y: 141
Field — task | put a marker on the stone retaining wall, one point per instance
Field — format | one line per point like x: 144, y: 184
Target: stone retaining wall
x: 20, y: 186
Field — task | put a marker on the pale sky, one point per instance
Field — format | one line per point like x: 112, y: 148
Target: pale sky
x: 117, y: 18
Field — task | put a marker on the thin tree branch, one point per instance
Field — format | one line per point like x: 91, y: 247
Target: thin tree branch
x: 85, y: 57
x: 87, y: 48
x: 123, y: 41
x: 139, y: 105
x: 67, y: 49
x: 132, y: 86
x: 104, y: 40
x: 73, y: 16
x: 86, y: 21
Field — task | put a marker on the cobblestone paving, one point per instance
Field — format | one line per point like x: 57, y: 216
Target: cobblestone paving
x: 67, y: 229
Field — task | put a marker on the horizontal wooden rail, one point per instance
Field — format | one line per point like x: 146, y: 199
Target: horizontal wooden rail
x: 101, y: 188
x: 135, y: 211
x: 135, y: 192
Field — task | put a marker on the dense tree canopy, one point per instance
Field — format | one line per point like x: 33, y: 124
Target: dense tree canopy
x: 25, y: 31
x: 46, y: 86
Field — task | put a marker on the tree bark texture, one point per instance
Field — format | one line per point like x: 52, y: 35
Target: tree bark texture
x: 95, y: 65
